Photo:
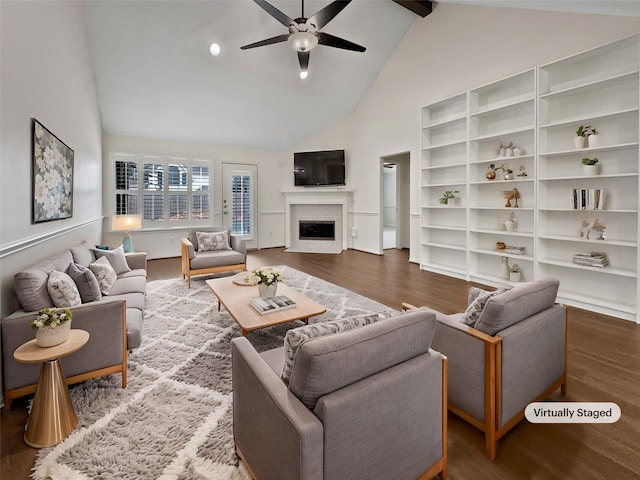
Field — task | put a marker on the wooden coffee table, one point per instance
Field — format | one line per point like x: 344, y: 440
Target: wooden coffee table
x: 235, y: 299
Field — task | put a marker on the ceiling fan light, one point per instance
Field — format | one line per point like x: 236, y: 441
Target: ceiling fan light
x: 302, y: 41
x: 304, y: 74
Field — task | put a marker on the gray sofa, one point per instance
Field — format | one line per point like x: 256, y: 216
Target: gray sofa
x: 369, y: 402
x: 114, y: 322
x: 514, y: 354
x: 197, y: 261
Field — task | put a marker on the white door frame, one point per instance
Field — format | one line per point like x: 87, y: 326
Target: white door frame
x: 228, y: 170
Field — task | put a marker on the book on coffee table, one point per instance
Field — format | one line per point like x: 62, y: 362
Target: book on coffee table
x: 265, y: 306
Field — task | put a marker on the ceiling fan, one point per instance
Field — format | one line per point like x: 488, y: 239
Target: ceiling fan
x: 304, y: 33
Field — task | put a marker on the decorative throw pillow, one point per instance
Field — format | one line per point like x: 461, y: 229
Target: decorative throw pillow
x: 116, y: 258
x: 63, y: 290
x: 298, y: 336
x: 86, y: 282
x: 478, y: 298
x: 105, y: 274
x: 212, y: 241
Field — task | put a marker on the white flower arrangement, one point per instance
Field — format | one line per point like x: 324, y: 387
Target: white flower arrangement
x: 268, y: 275
x: 50, y: 317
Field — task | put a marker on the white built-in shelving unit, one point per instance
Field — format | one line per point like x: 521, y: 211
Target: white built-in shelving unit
x: 539, y: 111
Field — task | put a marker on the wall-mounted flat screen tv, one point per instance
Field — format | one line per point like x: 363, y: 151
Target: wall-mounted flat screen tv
x: 319, y: 168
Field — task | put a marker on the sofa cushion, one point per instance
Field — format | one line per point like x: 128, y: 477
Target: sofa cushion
x: 82, y: 254
x: 105, y: 274
x: 220, y: 258
x: 86, y: 282
x: 116, y: 258
x: 295, y: 337
x: 213, y: 241
x: 478, y: 298
x: 62, y: 290
x: 516, y: 304
x: 326, y: 364
x: 31, y: 288
x: 122, y: 285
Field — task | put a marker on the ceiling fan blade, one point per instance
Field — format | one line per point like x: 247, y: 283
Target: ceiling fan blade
x: 337, y: 42
x: 303, y: 58
x: 324, y: 16
x: 275, y: 13
x: 268, y: 41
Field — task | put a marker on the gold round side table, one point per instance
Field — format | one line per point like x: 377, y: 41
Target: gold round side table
x: 52, y: 416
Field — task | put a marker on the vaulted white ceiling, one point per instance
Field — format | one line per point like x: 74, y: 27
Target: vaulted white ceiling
x: 156, y: 79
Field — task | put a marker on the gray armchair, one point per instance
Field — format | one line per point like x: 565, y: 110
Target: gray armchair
x: 364, y: 403
x: 516, y: 354
x: 195, y: 261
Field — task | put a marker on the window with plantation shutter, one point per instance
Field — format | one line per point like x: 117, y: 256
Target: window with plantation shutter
x: 241, y: 205
x: 165, y: 191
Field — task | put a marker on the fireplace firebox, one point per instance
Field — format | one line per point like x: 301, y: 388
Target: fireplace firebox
x: 317, y: 230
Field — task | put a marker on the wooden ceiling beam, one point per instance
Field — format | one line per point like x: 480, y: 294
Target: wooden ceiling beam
x: 419, y: 7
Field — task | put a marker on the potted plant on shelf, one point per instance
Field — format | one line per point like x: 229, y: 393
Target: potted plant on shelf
x: 448, y: 195
x: 523, y: 172
x: 590, y: 166
x: 514, y: 273
x: 491, y: 174
x: 581, y: 134
x: 52, y: 326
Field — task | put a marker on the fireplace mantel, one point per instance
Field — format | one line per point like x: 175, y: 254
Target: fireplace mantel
x: 340, y: 197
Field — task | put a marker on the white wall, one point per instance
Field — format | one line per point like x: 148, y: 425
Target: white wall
x: 454, y: 49
x: 46, y: 74
x: 166, y: 243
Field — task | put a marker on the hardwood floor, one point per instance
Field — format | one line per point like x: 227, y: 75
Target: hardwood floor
x: 604, y: 366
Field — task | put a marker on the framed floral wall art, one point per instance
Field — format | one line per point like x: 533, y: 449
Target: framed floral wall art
x: 52, y: 175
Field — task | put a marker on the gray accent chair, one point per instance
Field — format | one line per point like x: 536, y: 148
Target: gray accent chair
x: 195, y: 262
x: 516, y: 354
x: 363, y: 403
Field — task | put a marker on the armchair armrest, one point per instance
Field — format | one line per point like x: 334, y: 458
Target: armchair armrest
x: 275, y: 434
x: 238, y: 244
x: 188, y: 250
x: 136, y: 260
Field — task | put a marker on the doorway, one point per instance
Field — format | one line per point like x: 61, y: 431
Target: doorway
x: 395, y: 222
x: 239, y: 201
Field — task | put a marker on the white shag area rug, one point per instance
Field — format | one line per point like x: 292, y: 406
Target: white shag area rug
x: 174, y: 419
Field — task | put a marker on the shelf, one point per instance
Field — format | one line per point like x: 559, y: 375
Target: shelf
x: 501, y: 232
x: 448, y: 184
x: 445, y: 245
x: 503, y: 133
x: 498, y: 253
x: 527, y: 98
x: 494, y: 280
x: 515, y: 180
x: 593, y: 86
x: 606, y: 270
x: 506, y: 209
x: 445, y: 227
x: 620, y: 146
x: 584, y: 300
x: 442, y: 123
x: 444, y: 269
x: 576, y: 210
x: 567, y: 238
x: 450, y: 207
x: 586, y: 177
x: 588, y: 119
x: 444, y: 145
x: 439, y: 167
x: 501, y: 159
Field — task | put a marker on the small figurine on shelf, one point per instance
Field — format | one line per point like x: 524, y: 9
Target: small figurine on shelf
x: 501, y: 150
x: 517, y: 151
x: 522, y: 173
x: 598, y: 229
x: 585, y: 229
x: 509, y: 150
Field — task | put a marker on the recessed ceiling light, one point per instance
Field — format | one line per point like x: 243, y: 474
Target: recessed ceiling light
x: 214, y: 49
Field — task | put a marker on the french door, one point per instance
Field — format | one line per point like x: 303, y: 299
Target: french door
x: 239, y: 201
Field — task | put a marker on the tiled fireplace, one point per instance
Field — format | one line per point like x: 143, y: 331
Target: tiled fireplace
x: 316, y: 221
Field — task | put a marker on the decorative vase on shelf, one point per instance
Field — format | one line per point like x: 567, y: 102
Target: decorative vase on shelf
x: 504, y: 270
x: 594, y: 141
x: 52, y: 336
x: 267, y: 291
x: 514, y: 276
x: 517, y: 151
x: 578, y: 142
x: 590, y: 170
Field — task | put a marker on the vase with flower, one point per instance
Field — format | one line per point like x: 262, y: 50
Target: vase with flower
x: 268, y: 278
x: 52, y: 326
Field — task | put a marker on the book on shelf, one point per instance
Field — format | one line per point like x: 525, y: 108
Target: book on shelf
x: 272, y: 304
x: 515, y: 250
x: 587, y: 198
x: 593, y: 259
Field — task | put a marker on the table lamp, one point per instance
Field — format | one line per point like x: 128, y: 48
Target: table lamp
x: 126, y: 223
